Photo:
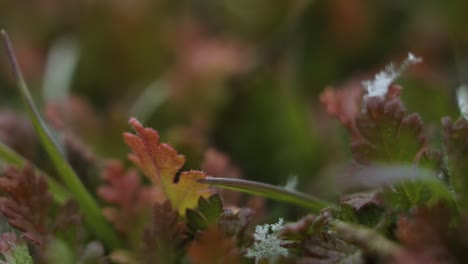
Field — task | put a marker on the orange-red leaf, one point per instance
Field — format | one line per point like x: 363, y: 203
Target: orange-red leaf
x: 160, y: 162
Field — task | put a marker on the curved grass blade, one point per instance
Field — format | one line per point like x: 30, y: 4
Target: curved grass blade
x: 268, y: 191
x: 364, y: 237
x: 9, y: 156
x: 90, y: 209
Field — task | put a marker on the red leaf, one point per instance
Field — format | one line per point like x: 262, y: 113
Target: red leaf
x: 388, y: 134
x: 28, y: 203
x: 130, y: 198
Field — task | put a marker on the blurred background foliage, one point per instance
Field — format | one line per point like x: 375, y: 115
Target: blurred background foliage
x: 243, y: 77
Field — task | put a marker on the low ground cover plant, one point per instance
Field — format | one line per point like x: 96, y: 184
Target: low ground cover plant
x: 404, y: 199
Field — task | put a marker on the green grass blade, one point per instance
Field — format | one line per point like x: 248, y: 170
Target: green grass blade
x: 89, y: 207
x: 268, y: 191
x: 9, y: 156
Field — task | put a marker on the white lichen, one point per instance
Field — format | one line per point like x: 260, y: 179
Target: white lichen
x: 382, y: 80
x: 462, y: 98
x: 267, y: 245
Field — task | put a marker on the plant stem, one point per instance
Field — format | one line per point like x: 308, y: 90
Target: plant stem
x: 365, y: 238
x: 268, y: 191
x: 89, y: 207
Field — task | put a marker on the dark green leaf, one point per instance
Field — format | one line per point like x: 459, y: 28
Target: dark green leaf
x: 195, y: 220
x: 211, y: 208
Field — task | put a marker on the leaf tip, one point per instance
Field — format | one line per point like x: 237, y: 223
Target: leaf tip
x: 134, y: 122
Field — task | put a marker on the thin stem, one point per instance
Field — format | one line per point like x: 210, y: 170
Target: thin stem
x: 268, y: 191
x: 91, y: 211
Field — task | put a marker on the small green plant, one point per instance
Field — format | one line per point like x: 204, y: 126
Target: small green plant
x: 408, y: 202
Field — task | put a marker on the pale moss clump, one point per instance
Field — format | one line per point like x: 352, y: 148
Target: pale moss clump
x: 267, y: 245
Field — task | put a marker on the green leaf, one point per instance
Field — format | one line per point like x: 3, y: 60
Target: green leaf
x: 195, y: 220
x: 211, y: 208
x: 268, y: 191
x: 208, y: 213
x: 88, y: 205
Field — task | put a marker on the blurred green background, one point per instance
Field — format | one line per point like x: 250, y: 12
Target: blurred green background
x: 240, y: 76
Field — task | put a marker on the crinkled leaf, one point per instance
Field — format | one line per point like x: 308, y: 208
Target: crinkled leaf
x: 206, y: 214
x: 388, y: 134
x: 28, y: 202
x: 164, y: 235
x: 160, y: 162
x: 456, y: 147
x: 201, y: 250
x: 14, y: 249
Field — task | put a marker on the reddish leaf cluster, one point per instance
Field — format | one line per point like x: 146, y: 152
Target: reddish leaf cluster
x: 382, y: 132
x: 125, y: 191
x: 28, y: 202
x: 388, y: 135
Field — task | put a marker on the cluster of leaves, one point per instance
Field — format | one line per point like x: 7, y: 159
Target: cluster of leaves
x: 404, y: 201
